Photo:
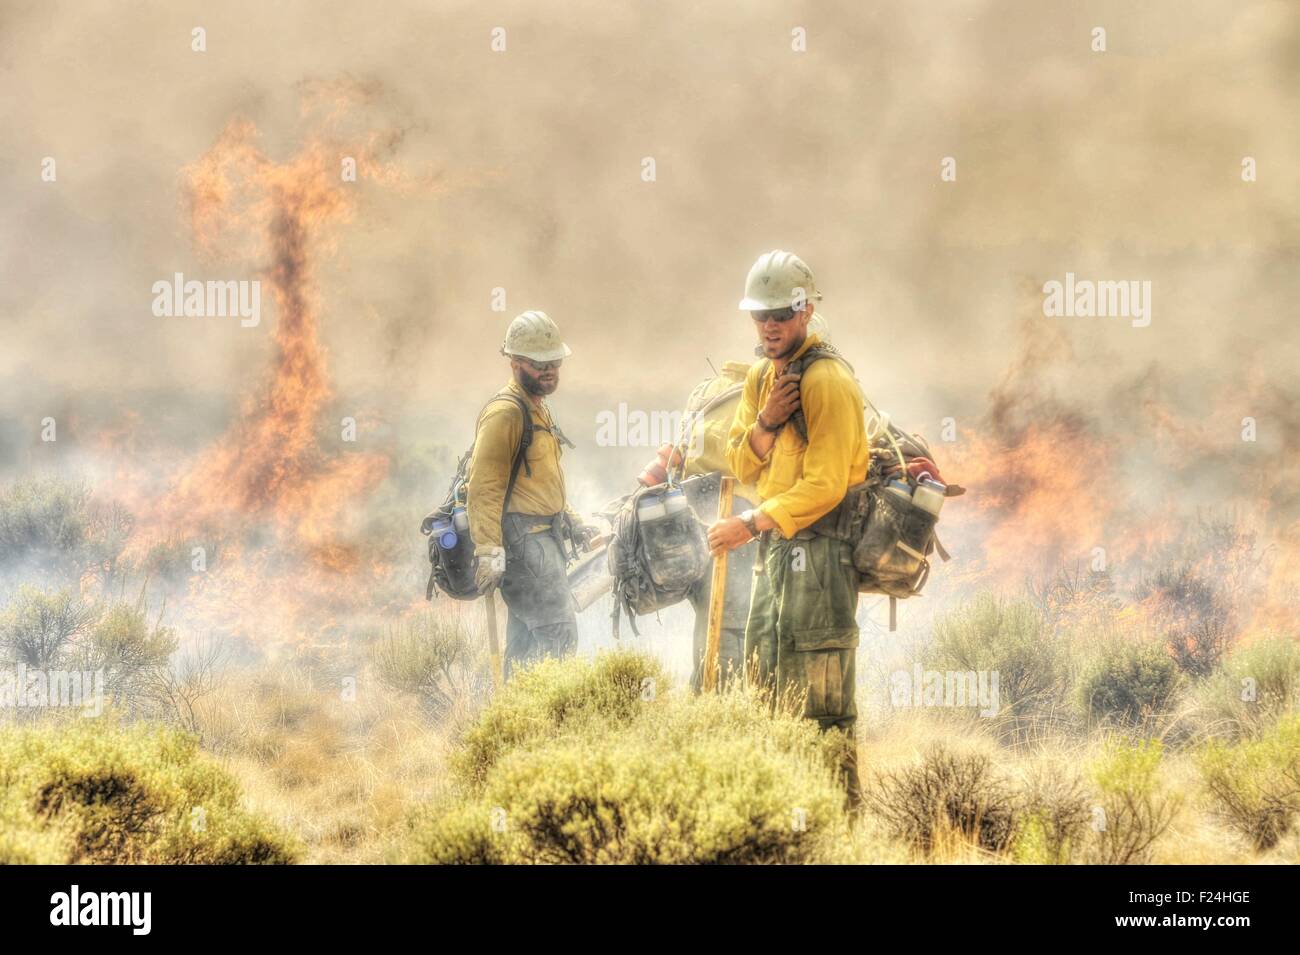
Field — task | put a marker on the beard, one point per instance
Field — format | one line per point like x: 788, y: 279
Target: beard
x: 533, y: 384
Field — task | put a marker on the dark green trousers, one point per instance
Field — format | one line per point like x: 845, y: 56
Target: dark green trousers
x: 802, y: 634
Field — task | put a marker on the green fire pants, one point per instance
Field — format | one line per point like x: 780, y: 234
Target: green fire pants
x: 802, y: 634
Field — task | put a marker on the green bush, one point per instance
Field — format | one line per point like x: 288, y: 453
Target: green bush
x: 1257, y: 684
x: 593, y: 771
x: 89, y: 791
x: 52, y: 529
x: 432, y: 657
x: 60, y: 631
x: 1013, y: 639
x: 1255, y: 785
x: 559, y: 696
x: 946, y: 793
x: 41, y: 629
x: 1054, y: 821
x: 1135, y: 809
x: 1126, y: 682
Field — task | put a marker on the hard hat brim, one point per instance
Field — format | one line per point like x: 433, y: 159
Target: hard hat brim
x: 554, y: 354
x: 754, y: 305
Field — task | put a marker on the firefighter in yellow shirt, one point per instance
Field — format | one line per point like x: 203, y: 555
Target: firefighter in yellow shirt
x: 802, y: 632
x: 522, y: 527
x: 710, y: 409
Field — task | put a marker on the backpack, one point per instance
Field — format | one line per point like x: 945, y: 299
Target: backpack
x: 654, y: 566
x: 892, y: 540
x: 451, y: 569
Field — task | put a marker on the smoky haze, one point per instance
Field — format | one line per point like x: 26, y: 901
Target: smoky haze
x: 527, y: 170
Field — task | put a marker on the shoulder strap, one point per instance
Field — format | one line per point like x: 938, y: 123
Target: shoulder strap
x: 520, y: 458
x: 521, y: 454
x: 800, y: 365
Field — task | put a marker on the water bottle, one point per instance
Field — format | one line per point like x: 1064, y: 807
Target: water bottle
x: 675, y: 502
x: 929, y: 496
x: 454, y: 547
x: 901, y: 490
x: 460, y: 518
x: 650, y: 508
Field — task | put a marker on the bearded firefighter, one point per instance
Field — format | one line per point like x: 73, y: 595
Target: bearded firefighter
x: 520, y: 521
x: 802, y: 631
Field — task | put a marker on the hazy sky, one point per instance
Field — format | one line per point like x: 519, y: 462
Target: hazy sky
x: 1116, y: 165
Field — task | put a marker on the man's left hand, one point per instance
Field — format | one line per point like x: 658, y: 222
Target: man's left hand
x: 728, y: 534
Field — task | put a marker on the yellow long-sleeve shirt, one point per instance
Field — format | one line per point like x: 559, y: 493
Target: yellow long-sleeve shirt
x: 799, y: 482
x: 500, y: 429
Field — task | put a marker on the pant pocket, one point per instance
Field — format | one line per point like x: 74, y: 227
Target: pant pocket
x: 828, y: 677
x: 820, y: 595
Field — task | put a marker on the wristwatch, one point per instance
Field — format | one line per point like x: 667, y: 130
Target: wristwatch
x: 747, y: 518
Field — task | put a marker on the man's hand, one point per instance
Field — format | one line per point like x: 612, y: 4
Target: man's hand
x: 782, y: 402
x: 584, y: 535
x: 727, y: 534
x: 489, y: 568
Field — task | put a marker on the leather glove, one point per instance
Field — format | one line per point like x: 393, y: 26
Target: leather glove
x: 489, y: 568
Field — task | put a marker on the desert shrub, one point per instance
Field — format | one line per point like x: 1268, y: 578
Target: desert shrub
x: 1255, y: 785
x: 1134, y: 808
x: 559, y: 696
x: 1201, y: 580
x: 1054, y: 818
x: 131, y: 650
x: 170, y: 561
x: 59, y: 631
x: 91, y: 791
x: 946, y: 795
x: 622, y: 778
x: 432, y: 657
x: 1257, y: 684
x: 52, y: 530
x: 39, y: 629
x: 1013, y: 639
x: 1126, y: 682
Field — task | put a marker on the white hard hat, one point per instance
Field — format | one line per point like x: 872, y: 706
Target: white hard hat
x: 534, y: 335
x: 779, y: 280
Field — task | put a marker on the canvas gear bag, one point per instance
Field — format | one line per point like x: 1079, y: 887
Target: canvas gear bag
x: 456, y: 496
x: 657, y: 567
x: 892, y: 539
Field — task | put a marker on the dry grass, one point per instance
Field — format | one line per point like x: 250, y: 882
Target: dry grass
x: 342, y: 774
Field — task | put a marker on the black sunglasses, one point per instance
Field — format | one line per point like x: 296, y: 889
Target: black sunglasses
x: 540, y: 365
x: 774, y: 314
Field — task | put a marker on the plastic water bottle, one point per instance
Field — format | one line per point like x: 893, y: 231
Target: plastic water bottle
x: 444, y: 534
x: 900, y: 489
x: 675, y: 502
x: 651, y: 508
x: 455, y: 551
x: 460, y: 518
x: 929, y: 496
